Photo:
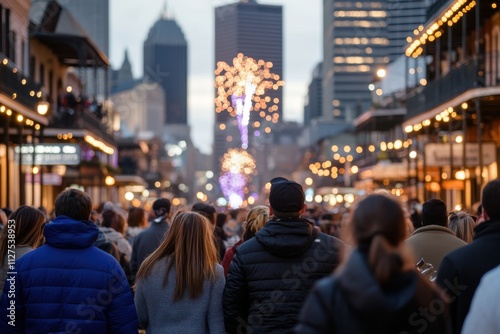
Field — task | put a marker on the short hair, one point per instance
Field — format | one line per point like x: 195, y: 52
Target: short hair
x: 206, y: 210
x: 434, y: 212
x: 74, y: 204
x: 489, y: 199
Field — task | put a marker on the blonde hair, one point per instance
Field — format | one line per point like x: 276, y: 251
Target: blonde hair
x: 190, y: 248
x: 256, y: 219
x: 462, y: 224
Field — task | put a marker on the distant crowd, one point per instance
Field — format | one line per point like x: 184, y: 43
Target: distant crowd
x: 379, y: 267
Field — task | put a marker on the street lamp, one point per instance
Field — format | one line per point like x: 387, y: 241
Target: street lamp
x: 42, y: 107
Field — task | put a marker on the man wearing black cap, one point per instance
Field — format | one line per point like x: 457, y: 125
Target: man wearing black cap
x: 148, y: 240
x: 271, y: 274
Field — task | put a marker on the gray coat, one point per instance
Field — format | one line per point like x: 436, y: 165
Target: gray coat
x: 158, y: 312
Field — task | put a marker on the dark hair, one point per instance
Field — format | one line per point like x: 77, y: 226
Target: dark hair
x: 489, y: 199
x: 434, y: 212
x: 114, y: 220
x: 378, y: 224
x: 137, y: 217
x: 28, y: 226
x: 74, y: 204
x: 206, y: 210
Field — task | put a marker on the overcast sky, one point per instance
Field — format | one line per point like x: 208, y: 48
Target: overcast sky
x: 302, y: 26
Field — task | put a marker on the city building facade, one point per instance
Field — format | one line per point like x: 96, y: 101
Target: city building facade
x: 354, y: 49
x: 165, y: 62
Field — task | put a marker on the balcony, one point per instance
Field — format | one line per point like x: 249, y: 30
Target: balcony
x: 437, y: 92
x: 16, y: 86
x: 82, y: 117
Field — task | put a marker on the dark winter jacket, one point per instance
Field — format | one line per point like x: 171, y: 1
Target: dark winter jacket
x: 353, y: 302
x: 147, y: 242
x: 69, y: 286
x: 462, y: 270
x: 272, y: 273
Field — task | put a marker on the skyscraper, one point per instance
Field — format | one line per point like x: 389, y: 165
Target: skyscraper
x: 255, y: 30
x: 403, y: 17
x: 165, y: 62
x: 314, y: 101
x: 355, y: 47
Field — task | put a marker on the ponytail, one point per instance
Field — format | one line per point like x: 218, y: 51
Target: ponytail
x: 385, y: 260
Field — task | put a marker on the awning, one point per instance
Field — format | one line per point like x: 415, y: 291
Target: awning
x: 379, y: 119
x: 456, y: 101
x: 55, y: 27
x: 383, y: 171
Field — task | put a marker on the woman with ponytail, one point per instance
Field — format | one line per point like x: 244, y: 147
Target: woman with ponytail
x: 378, y: 289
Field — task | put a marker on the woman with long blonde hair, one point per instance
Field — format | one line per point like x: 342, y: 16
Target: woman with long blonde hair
x: 256, y: 219
x: 179, y: 286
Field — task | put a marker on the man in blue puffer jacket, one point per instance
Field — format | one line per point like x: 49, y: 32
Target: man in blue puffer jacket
x: 68, y: 285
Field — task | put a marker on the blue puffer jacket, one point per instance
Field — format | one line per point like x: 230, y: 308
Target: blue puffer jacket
x: 69, y: 286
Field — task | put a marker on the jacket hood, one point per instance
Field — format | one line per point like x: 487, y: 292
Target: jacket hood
x: 365, y: 294
x: 287, y: 238
x: 64, y: 232
x: 110, y: 234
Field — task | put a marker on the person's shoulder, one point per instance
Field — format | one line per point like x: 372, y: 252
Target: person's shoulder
x: 461, y: 254
x: 219, y: 273
x: 327, y: 285
x: 326, y: 239
x: 248, y: 246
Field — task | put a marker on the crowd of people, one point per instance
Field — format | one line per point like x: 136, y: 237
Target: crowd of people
x: 281, y: 268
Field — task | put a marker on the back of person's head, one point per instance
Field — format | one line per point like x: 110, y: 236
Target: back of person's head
x: 28, y: 226
x: 7, y: 211
x: 74, y: 204
x: 206, y: 210
x: 220, y: 219
x: 434, y: 213
x: 378, y: 225
x: 286, y: 198
x: 462, y: 224
x: 190, y: 247
x: 119, y: 223
x: 137, y: 217
x: 256, y: 219
x: 489, y: 200
x: 107, y: 217
x: 161, y: 207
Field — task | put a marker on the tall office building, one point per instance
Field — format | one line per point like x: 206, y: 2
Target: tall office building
x: 165, y: 62
x: 354, y: 48
x: 93, y: 17
x: 255, y: 30
x: 314, y: 100
x: 403, y: 17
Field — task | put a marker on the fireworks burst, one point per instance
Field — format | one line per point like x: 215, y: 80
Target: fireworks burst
x: 237, y: 166
x: 241, y: 88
